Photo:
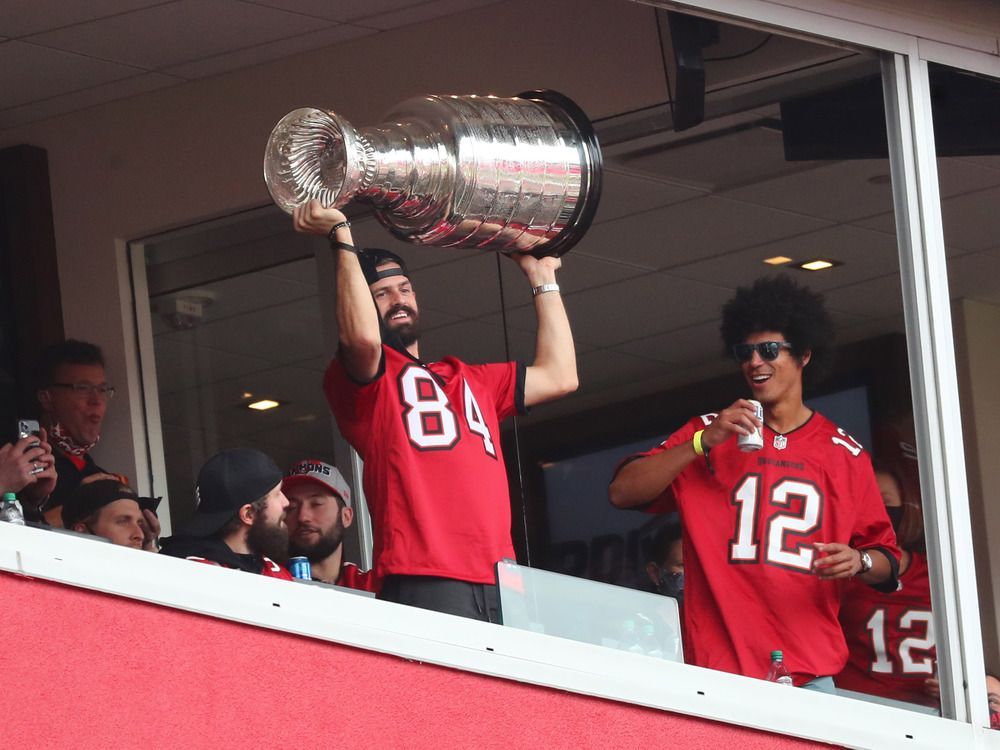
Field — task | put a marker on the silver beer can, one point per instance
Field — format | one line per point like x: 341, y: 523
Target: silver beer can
x: 755, y: 440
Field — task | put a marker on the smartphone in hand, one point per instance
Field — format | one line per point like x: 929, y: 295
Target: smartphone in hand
x: 26, y: 427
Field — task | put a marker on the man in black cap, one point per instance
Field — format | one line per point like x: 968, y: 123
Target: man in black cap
x: 429, y: 431
x: 240, y: 519
x: 112, y: 510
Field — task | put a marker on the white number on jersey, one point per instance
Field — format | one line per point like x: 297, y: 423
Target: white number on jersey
x: 909, y: 663
x: 474, y: 416
x: 430, y: 421
x: 744, y: 546
x: 850, y: 443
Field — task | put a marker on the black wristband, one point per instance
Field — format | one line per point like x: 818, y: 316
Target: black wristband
x: 336, y: 245
x: 335, y: 227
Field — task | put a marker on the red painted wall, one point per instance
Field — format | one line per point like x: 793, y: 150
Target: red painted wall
x: 97, y: 671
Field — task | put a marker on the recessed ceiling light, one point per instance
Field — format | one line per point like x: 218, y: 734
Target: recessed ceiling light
x: 247, y: 394
x: 778, y: 260
x: 264, y: 404
x: 820, y: 264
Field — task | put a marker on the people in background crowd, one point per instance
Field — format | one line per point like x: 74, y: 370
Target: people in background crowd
x: 993, y: 697
x: 890, y: 634
x: 110, y: 509
x: 769, y: 534
x: 319, y: 511
x: 27, y: 468
x: 240, y: 519
x: 73, y: 393
x: 665, y: 561
x: 429, y: 432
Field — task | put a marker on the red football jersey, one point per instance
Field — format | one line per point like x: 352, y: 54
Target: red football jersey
x: 352, y: 577
x: 434, y: 475
x: 268, y: 567
x: 890, y: 637
x: 750, y: 520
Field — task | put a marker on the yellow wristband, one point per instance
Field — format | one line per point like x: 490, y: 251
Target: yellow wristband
x: 696, y: 443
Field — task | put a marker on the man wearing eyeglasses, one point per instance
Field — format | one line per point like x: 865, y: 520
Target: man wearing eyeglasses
x: 768, y: 534
x: 73, y: 392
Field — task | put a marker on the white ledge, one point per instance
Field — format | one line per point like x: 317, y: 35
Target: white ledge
x: 482, y: 648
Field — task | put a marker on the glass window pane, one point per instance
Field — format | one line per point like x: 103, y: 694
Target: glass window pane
x: 790, y: 165
x: 231, y: 334
x: 965, y: 108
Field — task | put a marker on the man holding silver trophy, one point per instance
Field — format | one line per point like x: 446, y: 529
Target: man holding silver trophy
x: 519, y: 176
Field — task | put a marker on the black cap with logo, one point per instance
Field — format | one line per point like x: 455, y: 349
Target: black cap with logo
x: 228, y: 481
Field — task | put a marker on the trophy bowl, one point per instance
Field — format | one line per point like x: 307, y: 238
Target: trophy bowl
x: 518, y: 174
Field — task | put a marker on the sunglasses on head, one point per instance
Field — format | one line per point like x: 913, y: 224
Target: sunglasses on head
x: 768, y: 350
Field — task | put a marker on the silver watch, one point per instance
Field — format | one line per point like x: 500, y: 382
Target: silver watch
x: 866, y: 563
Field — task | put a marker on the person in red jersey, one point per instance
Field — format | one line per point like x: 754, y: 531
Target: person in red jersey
x: 319, y: 509
x: 429, y: 431
x: 770, y: 536
x: 240, y: 519
x: 890, y: 635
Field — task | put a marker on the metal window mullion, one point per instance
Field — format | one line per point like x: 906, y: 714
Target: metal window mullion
x: 142, y: 382
x: 934, y: 384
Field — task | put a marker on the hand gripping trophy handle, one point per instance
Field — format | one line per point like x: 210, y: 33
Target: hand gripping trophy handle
x: 519, y: 174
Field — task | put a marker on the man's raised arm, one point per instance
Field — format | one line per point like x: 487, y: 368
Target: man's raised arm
x: 553, y: 373
x: 357, y: 316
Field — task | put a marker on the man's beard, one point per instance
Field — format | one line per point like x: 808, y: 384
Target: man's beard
x: 408, y: 333
x: 268, y: 539
x: 322, y: 548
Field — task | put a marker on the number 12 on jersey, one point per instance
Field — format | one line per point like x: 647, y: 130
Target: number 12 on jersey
x: 745, y: 544
x: 430, y: 421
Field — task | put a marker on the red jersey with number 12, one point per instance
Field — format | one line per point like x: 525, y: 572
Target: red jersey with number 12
x: 890, y: 637
x: 750, y: 521
x: 434, y: 475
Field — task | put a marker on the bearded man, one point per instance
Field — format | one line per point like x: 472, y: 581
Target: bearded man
x: 319, y: 510
x: 428, y: 430
x: 240, y: 518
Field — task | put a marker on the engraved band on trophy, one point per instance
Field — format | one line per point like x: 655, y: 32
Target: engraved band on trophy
x: 520, y: 174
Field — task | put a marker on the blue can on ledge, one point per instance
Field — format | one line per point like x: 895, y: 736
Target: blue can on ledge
x: 300, y: 568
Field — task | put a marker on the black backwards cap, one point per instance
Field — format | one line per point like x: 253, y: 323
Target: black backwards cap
x: 373, y: 257
x: 89, y: 498
x: 228, y: 481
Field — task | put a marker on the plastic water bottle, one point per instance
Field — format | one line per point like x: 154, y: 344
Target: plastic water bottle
x: 648, y: 642
x: 778, y: 671
x: 10, y: 509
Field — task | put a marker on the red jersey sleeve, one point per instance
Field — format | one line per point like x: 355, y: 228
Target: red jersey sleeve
x: 667, y: 502
x: 505, y: 383
x: 872, y: 527
x: 349, y: 400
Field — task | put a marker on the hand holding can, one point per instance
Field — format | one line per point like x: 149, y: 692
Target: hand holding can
x: 755, y: 440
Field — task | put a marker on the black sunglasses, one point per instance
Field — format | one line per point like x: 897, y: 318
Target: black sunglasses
x: 768, y: 350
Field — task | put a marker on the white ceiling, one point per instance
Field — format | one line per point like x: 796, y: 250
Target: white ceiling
x: 58, y: 56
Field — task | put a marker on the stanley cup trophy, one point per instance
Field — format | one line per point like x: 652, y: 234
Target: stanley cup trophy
x: 519, y: 174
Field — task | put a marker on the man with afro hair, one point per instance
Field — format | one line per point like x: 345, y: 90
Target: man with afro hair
x: 770, y: 535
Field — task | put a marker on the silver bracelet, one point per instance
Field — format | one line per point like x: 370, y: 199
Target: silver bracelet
x: 543, y: 288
